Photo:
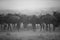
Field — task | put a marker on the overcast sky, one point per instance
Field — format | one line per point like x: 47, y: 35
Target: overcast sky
x: 28, y: 4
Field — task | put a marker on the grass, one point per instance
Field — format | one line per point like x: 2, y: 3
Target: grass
x: 30, y: 35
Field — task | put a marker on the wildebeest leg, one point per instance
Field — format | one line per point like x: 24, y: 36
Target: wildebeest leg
x: 47, y: 27
x: 11, y: 27
x: 6, y: 27
x: 51, y: 27
x: 34, y: 27
x: 37, y: 26
x: 40, y: 27
x: 15, y: 26
x: 44, y: 27
x: 18, y: 26
x: 25, y: 25
x: 0, y: 27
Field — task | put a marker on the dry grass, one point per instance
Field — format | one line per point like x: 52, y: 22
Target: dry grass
x: 30, y: 35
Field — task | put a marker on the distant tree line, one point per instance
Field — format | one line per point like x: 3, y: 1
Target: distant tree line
x: 13, y: 21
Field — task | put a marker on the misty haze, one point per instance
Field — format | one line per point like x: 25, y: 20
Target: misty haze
x: 29, y: 19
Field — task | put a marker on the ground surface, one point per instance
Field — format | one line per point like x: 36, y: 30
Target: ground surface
x: 30, y: 35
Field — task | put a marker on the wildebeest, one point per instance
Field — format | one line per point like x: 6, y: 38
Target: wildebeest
x: 13, y: 21
x: 49, y: 19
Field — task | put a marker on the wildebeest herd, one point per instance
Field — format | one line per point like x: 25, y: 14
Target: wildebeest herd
x: 10, y: 22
